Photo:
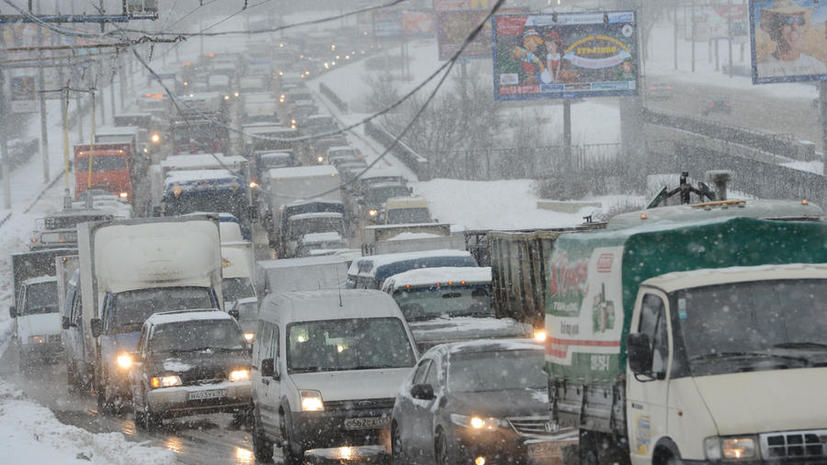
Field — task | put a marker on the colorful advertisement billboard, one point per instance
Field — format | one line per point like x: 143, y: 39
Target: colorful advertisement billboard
x: 454, y: 26
x: 788, y: 40
x: 569, y: 55
x: 418, y: 24
x: 387, y: 24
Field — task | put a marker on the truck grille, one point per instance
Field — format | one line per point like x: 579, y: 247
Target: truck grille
x: 531, y: 426
x: 794, y: 444
x: 360, y: 404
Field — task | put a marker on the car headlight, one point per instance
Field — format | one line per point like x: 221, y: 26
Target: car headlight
x: 373, y: 212
x: 311, y: 401
x: 540, y: 335
x: 320, y: 159
x: 249, y: 337
x: 742, y: 448
x: 155, y: 138
x: 37, y: 339
x: 476, y: 422
x: 124, y: 195
x: 124, y: 361
x: 165, y: 381
x: 239, y: 375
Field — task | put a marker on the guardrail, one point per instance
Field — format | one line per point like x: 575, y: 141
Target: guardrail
x: 783, y: 145
x: 414, y: 161
x: 333, y: 97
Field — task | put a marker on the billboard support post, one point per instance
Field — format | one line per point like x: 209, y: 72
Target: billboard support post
x: 694, y: 34
x: 44, y: 126
x: 675, y: 38
x: 4, y: 148
x: 729, y: 34
x: 79, y: 118
x: 822, y: 98
x: 567, y: 133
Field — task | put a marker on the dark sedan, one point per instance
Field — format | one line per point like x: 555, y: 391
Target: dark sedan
x: 472, y: 403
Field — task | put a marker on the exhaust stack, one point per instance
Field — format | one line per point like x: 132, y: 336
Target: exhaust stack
x: 720, y: 178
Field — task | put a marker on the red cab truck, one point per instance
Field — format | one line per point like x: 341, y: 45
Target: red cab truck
x: 110, y: 169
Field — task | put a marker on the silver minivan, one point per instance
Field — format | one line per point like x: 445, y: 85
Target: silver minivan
x: 326, y: 368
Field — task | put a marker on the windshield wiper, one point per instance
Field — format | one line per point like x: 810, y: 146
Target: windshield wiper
x: 480, y: 313
x: 800, y: 345
x: 725, y: 355
x: 200, y: 349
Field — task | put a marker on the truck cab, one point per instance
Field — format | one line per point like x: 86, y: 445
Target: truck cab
x: 407, y: 210
x: 37, y: 321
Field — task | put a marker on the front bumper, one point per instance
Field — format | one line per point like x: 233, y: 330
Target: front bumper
x: 499, y: 446
x: 42, y: 350
x: 797, y: 461
x: 328, y: 428
x: 178, y: 400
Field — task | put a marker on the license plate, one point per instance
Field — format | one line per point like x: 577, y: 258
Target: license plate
x: 367, y: 423
x: 204, y: 395
x: 547, y: 449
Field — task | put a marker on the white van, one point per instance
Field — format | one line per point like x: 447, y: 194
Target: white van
x: 326, y: 368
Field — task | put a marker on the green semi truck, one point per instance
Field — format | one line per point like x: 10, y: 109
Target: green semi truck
x: 695, y: 341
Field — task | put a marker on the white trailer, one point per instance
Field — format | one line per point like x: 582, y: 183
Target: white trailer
x: 288, y: 185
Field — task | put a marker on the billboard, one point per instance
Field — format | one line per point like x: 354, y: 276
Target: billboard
x: 23, y: 94
x: 387, y: 24
x: 418, y: 24
x: 569, y: 55
x: 712, y: 22
x: 788, y: 40
x: 454, y: 26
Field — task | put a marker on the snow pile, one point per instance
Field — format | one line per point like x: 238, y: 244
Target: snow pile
x: 30, y: 433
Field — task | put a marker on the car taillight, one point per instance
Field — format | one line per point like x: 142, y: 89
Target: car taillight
x: 726, y: 103
x: 711, y: 104
x: 668, y: 87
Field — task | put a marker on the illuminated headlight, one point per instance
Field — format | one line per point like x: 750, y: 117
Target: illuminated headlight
x: 37, y: 339
x: 124, y: 195
x: 165, y: 381
x: 742, y: 448
x: 540, y: 335
x: 475, y: 422
x: 226, y: 97
x: 236, y: 94
x: 124, y: 361
x: 239, y: 375
x: 156, y: 138
x: 249, y: 337
x: 253, y: 184
x: 373, y: 212
x: 312, y: 401
x: 320, y: 159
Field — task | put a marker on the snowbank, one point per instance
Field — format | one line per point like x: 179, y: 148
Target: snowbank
x: 30, y: 433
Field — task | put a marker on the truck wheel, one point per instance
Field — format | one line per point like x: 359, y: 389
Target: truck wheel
x: 150, y: 421
x: 397, y: 452
x: 293, y: 452
x: 262, y: 448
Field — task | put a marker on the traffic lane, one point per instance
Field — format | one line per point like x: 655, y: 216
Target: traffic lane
x: 204, y: 439
x: 198, y: 440
x: 749, y: 109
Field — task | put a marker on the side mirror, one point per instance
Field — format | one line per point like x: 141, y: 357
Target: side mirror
x: 423, y: 392
x: 12, y: 311
x: 64, y: 322
x: 233, y: 312
x: 268, y: 368
x: 97, y: 327
x: 639, y: 349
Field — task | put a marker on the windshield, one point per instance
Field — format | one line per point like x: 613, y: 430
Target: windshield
x: 380, y: 195
x: 425, y: 303
x: 101, y: 163
x: 756, y: 317
x: 233, y: 289
x: 189, y: 336
x: 496, y: 371
x: 408, y: 215
x: 348, y: 344
x: 132, y: 308
x: 41, y: 298
x: 228, y: 200
x: 304, y: 226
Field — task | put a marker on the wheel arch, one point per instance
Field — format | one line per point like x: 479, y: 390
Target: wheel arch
x: 664, y: 450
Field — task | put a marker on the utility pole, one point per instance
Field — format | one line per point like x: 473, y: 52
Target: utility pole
x: 729, y: 34
x: 44, y: 117
x: 694, y: 29
x: 675, y: 38
x: 122, y: 81
x: 4, y: 146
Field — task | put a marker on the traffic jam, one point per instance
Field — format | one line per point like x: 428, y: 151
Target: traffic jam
x: 235, y: 267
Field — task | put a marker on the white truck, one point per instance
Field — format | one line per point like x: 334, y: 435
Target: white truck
x: 288, y: 185
x: 396, y: 238
x: 131, y: 269
x: 300, y: 274
x: 237, y: 284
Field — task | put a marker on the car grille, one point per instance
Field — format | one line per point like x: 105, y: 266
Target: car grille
x: 529, y: 426
x: 360, y: 404
x: 203, y: 376
x: 794, y: 444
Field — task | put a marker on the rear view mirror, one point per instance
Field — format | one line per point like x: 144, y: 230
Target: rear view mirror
x: 12, y: 311
x: 268, y: 368
x: 64, y: 322
x: 422, y: 392
x: 97, y: 327
x: 639, y: 349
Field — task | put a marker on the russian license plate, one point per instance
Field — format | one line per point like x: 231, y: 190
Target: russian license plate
x: 367, y: 423
x: 546, y: 452
x: 204, y: 395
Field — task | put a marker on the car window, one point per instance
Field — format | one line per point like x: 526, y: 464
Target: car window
x: 262, y: 342
x: 421, y: 369
x: 431, y: 377
x: 653, y: 323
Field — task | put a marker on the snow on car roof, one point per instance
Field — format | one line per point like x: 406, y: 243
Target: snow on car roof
x: 487, y: 345
x: 162, y: 318
x: 202, y: 160
x: 117, y: 130
x: 303, y: 171
x: 384, y: 259
x: 405, y: 236
x: 325, y: 305
x: 313, y: 238
x: 671, y: 282
x: 297, y: 262
x: 430, y: 276
x: 180, y: 177
x: 306, y: 216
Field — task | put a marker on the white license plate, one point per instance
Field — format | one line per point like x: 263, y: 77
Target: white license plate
x: 545, y: 450
x: 367, y: 423
x: 204, y: 395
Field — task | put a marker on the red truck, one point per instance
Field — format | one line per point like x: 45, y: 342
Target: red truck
x: 111, y: 165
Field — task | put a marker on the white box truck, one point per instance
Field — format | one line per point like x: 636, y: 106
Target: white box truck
x: 131, y: 269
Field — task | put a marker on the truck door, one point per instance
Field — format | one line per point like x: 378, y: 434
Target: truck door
x: 647, y: 397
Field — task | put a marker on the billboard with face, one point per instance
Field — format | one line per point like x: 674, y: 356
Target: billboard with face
x: 565, y: 55
x: 789, y: 40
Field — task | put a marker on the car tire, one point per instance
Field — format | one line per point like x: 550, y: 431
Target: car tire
x: 397, y: 451
x: 442, y: 451
x: 262, y: 448
x: 292, y: 451
x: 149, y: 421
